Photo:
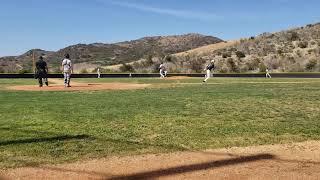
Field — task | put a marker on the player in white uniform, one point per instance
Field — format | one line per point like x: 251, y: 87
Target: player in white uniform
x: 163, y: 71
x: 67, y: 69
x: 98, y: 71
x: 267, y: 73
x: 208, y: 69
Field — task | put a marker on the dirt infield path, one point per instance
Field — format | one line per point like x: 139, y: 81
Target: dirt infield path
x: 289, y: 161
x: 58, y: 85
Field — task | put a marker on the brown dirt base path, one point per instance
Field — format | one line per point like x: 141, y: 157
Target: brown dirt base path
x: 58, y: 86
x: 289, y: 161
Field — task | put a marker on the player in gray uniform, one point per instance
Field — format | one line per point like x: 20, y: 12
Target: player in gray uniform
x: 41, y: 72
x: 208, y: 70
x: 67, y: 69
x: 163, y: 71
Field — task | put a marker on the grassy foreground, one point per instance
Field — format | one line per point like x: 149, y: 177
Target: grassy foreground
x: 54, y: 127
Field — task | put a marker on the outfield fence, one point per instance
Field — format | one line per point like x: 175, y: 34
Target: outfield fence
x: 152, y: 75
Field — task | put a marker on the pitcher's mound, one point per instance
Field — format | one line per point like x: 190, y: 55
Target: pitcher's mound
x: 81, y: 87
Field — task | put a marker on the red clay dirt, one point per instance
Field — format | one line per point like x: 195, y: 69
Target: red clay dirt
x: 286, y: 161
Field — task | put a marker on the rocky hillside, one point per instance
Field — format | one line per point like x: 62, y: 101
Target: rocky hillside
x: 294, y: 50
x: 99, y: 54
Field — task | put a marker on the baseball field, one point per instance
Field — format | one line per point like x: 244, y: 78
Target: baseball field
x: 151, y: 116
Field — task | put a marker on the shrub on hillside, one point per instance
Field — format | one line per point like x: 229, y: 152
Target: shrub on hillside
x: 313, y: 43
x: 269, y: 48
x: 280, y: 51
x: 219, y: 53
x: 309, y: 25
x: 168, y: 58
x: 149, y: 60
x: 232, y: 65
x: 126, y: 68
x: 298, y: 53
x: 226, y: 55
x: 262, y: 67
x: 223, y: 69
x: 197, y: 65
x: 310, y: 51
x: 311, y: 65
x: 296, y: 67
x: 253, y: 64
x: 303, y: 44
x: 240, y: 54
x: 293, y: 36
x: 273, y: 62
x: 243, y: 68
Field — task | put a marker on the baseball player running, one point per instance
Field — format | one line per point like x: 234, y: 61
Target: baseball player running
x: 163, y: 71
x: 267, y: 73
x: 208, y: 70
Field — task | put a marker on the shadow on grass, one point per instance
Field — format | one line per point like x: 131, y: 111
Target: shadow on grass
x: 46, y: 139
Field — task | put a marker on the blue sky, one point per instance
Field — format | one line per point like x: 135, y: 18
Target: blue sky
x: 55, y: 24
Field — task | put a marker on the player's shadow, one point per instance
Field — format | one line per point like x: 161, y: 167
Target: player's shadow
x: 194, y: 167
x: 44, y: 139
x: 53, y: 136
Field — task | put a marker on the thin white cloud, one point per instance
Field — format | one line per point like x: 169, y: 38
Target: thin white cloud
x: 171, y: 12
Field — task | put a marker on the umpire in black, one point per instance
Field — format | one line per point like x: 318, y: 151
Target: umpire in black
x: 41, y: 72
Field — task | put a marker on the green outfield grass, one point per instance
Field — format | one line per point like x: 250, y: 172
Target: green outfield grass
x: 172, y: 115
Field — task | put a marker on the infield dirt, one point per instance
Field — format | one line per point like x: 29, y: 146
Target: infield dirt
x: 58, y: 85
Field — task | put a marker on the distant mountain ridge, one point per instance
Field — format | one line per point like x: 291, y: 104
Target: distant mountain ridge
x: 102, y: 54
